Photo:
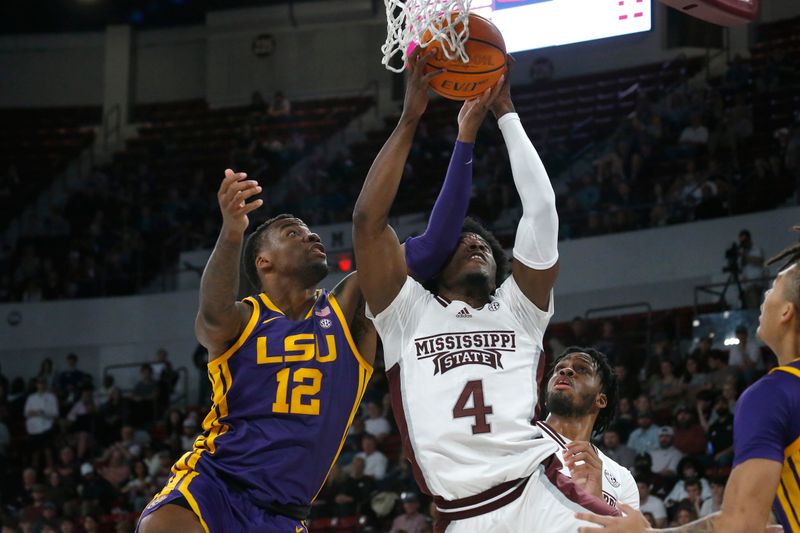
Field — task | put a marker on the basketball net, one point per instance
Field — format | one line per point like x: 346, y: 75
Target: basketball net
x: 421, y: 22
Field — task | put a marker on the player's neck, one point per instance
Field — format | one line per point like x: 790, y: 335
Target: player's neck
x: 475, y: 296
x: 291, y: 298
x: 573, y: 428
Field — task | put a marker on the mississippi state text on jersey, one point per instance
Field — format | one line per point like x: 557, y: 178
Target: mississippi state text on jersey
x: 464, y: 386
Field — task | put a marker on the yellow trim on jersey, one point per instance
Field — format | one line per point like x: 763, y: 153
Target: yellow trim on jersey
x: 788, y: 369
x: 251, y: 324
x: 792, y: 448
x: 272, y: 306
x: 184, y: 489
x: 346, y: 328
x: 787, y: 510
x: 364, y: 373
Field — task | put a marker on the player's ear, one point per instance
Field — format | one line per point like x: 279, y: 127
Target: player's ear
x: 601, y: 401
x: 788, y: 313
x: 263, y: 263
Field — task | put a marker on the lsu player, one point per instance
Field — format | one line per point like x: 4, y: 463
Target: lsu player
x: 766, y: 431
x: 463, y: 358
x: 582, y: 398
x: 288, y: 367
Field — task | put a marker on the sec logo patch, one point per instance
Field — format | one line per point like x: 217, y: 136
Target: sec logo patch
x: 325, y: 323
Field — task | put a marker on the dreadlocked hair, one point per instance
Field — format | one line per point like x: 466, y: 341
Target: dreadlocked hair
x: 252, y: 246
x: 608, y: 378
x: 472, y: 225
x: 791, y: 256
x: 791, y: 253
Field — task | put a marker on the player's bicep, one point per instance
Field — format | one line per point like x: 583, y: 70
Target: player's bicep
x: 217, y: 336
x: 749, y: 495
x: 536, y: 285
x: 381, y: 265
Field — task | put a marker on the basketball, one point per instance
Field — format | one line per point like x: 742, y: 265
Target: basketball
x: 487, y: 61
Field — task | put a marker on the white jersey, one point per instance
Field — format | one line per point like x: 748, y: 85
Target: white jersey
x: 618, y: 483
x: 464, y: 386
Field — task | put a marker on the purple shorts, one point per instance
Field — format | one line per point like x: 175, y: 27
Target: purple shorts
x: 220, y: 509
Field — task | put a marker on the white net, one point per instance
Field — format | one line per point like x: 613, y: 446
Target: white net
x: 407, y: 21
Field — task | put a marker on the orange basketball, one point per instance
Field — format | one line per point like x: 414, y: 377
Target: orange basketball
x: 487, y: 61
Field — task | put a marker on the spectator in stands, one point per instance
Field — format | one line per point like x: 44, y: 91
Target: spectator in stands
x: 97, y: 494
x: 189, y: 434
x: 694, y: 137
x: 166, y: 376
x: 399, y: 478
x: 355, y: 491
x: 113, y: 466
x: 745, y: 355
x: 57, y: 491
x: 280, y: 106
x: 666, y: 388
x: 612, y: 446
x: 375, y: 462
x: 113, y: 414
x: 41, y: 411
x: 646, y: 436
x: 139, y: 488
x: 71, y: 380
x: 651, y: 504
x: 688, y: 470
x: 68, y: 466
x: 81, y: 421
x: 686, y: 513
x: 102, y: 394
x: 144, y: 395
x: 626, y: 418
x: 714, y: 503
x: 666, y: 457
x: 720, y: 433
x: 694, y: 379
x: 719, y: 370
x: 376, y: 424
x: 751, y: 263
x: 411, y: 521
x: 579, y: 334
x: 689, y: 436
x: 47, y: 372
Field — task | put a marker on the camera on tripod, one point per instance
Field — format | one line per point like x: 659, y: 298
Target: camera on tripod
x: 732, y: 259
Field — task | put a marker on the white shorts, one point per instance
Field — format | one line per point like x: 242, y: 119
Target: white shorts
x: 546, y: 505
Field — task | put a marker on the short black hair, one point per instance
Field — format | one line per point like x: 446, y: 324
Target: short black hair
x: 472, y: 225
x: 608, y: 378
x: 253, y: 244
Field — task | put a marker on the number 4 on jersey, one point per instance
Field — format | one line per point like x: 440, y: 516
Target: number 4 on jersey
x: 479, y: 409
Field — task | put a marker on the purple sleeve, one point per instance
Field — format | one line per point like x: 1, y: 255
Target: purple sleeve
x: 761, y: 422
x: 426, y: 253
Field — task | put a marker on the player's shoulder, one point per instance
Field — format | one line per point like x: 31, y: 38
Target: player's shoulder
x: 777, y: 383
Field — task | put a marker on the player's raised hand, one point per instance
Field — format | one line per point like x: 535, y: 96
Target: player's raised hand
x: 233, y: 194
x: 585, y: 466
x: 503, y: 104
x: 474, y: 111
x: 632, y: 522
x: 416, y: 99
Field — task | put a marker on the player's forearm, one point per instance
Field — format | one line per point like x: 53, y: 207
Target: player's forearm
x: 426, y: 253
x: 536, y: 244
x: 371, y: 213
x: 219, y: 285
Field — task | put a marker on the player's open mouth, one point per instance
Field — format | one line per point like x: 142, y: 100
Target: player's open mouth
x: 477, y: 257
x: 562, y: 384
x: 318, y: 248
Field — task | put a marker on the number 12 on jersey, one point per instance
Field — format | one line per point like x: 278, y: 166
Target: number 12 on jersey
x: 301, y: 389
x: 474, y: 389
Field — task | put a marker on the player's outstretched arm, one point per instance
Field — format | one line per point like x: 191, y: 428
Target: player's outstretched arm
x: 379, y: 256
x: 745, y: 507
x: 535, y: 266
x: 427, y: 253
x: 220, y: 318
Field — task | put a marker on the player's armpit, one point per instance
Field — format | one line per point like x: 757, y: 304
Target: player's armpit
x: 351, y: 299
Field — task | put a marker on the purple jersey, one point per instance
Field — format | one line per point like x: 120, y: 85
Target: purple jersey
x: 767, y: 426
x: 284, y: 397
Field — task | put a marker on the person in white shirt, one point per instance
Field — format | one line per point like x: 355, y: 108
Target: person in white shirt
x: 582, y: 398
x: 666, y: 457
x: 714, y: 503
x: 746, y: 354
x: 41, y: 411
x: 695, y: 134
x: 376, y: 424
x: 375, y: 462
x: 651, y: 504
x: 463, y: 353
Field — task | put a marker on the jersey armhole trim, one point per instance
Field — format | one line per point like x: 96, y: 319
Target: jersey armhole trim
x: 791, y: 449
x: 346, y: 328
x: 251, y: 324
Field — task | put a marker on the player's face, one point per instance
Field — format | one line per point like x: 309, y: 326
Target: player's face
x: 294, y: 249
x: 774, y: 305
x: 575, y: 387
x: 472, y: 262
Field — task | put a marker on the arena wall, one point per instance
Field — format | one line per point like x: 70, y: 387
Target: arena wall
x: 660, y: 266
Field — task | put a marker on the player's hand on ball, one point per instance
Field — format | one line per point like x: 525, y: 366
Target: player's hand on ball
x: 503, y: 103
x: 474, y: 111
x: 632, y: 522
x: 585, y: 466
x: 233, y: 194
x: 416, y: 99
